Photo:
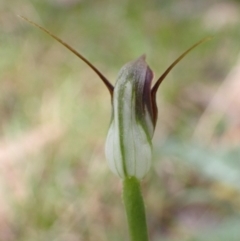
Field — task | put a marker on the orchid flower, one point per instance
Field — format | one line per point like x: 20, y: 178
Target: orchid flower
x: 129, y: 141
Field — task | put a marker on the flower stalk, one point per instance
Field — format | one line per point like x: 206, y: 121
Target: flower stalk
x: 135, y: 210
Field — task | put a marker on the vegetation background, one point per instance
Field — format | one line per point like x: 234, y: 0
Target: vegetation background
x: 55, y: 112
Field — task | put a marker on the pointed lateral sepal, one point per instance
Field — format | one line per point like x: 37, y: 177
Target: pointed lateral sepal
x: 163, y: 76
x: 75, y: 52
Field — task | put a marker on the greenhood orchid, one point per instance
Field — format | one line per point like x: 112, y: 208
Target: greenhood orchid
x: 134, y: 116
x: 134, y: 113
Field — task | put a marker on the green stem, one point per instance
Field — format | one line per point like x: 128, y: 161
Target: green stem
x: 135, y: 210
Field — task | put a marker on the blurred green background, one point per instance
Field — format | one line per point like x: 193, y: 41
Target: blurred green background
x: 55, y: 112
